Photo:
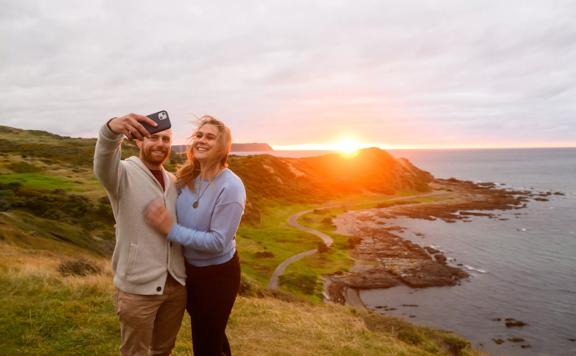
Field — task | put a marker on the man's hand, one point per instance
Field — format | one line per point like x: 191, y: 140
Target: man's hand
x: 157, y: 216
x: 130, y: 125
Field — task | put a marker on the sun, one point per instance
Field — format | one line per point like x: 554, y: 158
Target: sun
x: 347, y: 147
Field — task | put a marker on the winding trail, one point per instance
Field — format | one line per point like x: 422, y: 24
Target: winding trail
x: 293, y: 221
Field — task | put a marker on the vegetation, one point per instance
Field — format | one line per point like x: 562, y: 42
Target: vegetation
x: 57, y: 235
x: 46, y: 313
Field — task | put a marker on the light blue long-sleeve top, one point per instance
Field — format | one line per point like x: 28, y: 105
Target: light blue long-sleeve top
x: 208, y: 231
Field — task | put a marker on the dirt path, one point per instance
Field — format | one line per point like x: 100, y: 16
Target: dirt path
x: 293, y: 221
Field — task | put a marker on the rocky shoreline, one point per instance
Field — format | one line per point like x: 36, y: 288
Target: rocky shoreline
x: 384, y: 259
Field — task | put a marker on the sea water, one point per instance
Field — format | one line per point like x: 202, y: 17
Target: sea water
x: 522, y: 267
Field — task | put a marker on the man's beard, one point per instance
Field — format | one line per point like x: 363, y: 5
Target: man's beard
x: 149, y: 157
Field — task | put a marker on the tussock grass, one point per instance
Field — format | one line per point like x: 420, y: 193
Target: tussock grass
x: 44, y: 313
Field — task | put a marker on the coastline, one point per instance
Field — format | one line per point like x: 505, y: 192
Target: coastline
x: 383, y: 259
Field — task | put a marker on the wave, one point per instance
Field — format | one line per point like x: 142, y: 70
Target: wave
x: 479, y: 270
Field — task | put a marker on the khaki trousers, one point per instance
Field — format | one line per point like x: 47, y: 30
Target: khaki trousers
x: 149, y: 324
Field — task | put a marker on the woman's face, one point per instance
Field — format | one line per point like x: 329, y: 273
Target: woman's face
x: 205, y: 143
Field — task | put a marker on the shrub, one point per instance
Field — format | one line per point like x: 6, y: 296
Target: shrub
x: 79, y: 267
x: 263, y: 254
x: 304, y: 283
x: 410, y: 336
x: 322, y: 247
x: 6, y: 199
x: 23, y: 167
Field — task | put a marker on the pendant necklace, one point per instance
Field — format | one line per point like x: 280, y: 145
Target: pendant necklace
x: 199, y: 195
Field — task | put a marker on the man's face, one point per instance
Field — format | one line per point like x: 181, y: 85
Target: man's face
x: 155, y: 149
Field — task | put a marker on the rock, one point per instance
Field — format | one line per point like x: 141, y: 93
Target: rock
x: 470, y: 213
x: 431, y: 274
x: 498, y: 341
x: 440, y: 258
x: 369, y: 279
x: 513, y: 323
x: 515, y: 339
x: 394, y: 228
x: 394, y: 260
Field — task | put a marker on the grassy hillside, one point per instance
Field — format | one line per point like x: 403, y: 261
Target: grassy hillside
x: 331, y: 176
x: 45, y: 312
x: 57, y: 235
x: 47, y: 187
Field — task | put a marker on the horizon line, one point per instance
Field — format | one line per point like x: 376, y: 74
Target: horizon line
x: 331, y: 147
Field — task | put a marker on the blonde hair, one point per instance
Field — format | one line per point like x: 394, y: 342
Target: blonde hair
x: 191, y: 169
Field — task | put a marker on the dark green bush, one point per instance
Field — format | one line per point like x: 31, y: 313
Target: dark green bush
x: 79, y: 267
x: 23, y: 167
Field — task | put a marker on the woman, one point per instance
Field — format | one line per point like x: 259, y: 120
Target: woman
x: 208, y: 209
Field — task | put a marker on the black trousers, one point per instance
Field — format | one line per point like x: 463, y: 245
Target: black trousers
x: 212, y: 291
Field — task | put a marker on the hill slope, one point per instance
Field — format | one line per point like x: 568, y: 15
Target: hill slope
x: 43, y: 312
x: 55, y: 221
x: 28, y: 155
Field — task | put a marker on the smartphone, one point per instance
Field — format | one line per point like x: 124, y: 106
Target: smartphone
x: 161, y: 118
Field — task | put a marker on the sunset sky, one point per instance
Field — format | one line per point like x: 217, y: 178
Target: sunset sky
x: 298, y: 74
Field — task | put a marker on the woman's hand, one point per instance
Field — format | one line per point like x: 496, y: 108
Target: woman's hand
x: 156, y: 215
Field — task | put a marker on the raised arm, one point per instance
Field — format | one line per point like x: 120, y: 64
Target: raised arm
x: 107, y: 167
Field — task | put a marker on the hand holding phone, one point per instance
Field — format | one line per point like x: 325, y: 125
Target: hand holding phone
x: 139, y: 126
x: 131, y: 125
x: 162, y: 120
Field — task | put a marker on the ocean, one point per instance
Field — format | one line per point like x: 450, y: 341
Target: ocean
x: 523, y: 268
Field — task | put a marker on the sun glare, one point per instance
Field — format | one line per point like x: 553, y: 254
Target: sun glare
x: 348, y: 147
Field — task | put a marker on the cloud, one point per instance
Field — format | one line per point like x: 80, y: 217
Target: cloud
x: 296, y: 72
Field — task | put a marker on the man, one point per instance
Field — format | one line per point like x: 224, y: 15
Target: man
x: 149, y: 270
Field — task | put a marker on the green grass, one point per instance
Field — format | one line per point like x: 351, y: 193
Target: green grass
x: 263, y: 247
x: 44, y: 313
x: 304, y: 277
x: 48, y: 317
x: 38, y: 181
x: 35, y: 174
x: 274, y: 236
x: 26, y: 230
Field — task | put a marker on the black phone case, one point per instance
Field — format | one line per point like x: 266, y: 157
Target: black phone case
x: 162, y: 119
